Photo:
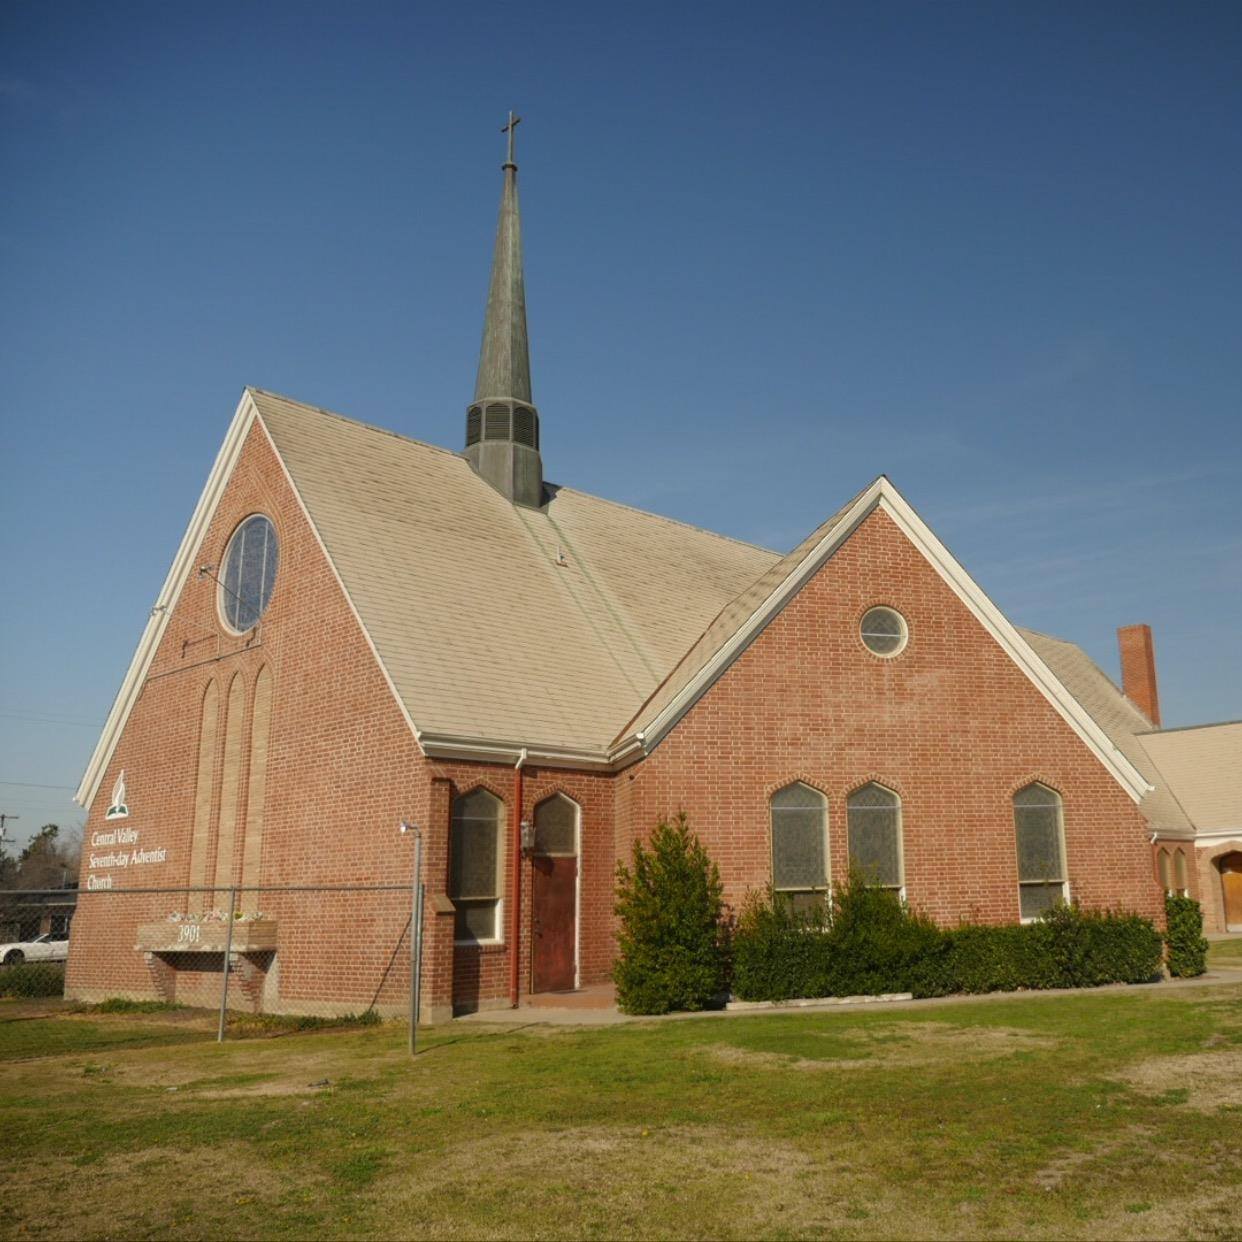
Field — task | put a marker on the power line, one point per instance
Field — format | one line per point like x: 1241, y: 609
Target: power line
x: 56, y: 720
x: 36, y: 785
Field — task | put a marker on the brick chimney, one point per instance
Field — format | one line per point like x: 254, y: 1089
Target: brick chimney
x: 1138, y: 669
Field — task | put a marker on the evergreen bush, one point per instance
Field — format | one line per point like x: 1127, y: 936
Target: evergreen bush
x: 1187, y: 949
x: 875, y: 944
x: 777, y: 950
x: 672, y: 939
x: 31, y: 979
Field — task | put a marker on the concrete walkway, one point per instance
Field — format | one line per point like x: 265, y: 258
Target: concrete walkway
x: 586, y: 1009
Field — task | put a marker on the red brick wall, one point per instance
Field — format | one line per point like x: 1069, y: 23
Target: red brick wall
x: 951, y: 724
x: 343, y: 770
x: 481, y: 973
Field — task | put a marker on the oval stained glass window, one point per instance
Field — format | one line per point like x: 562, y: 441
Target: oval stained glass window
x: 249, y: 573
x: 884, y: 631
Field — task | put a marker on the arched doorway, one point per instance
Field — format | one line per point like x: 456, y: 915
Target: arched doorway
x: 554, y: 895
x: 1231, y: 889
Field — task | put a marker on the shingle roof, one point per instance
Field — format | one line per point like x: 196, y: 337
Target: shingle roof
x: 1203, y: 767
x: 1118, y: 717
x: 483, y: 633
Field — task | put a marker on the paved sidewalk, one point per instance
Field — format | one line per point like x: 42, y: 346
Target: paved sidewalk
x: 588, y: 1012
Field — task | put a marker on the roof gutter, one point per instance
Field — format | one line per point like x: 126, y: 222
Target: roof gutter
x: 480, y: 750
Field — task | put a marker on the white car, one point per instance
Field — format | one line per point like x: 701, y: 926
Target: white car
x: 50, y: 947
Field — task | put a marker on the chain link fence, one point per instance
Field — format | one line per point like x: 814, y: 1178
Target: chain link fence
x: 206, y: 963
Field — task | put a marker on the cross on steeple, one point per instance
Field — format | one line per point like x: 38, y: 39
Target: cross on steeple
x: 508, y: 129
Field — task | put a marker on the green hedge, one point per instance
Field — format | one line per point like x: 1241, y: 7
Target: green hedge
x: 1187, y: 949
x: 866, y: 942
x: 33, y: 979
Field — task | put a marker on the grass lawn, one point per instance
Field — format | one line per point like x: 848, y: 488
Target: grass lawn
x: 1226, y: 953
x: 1117, y: 1115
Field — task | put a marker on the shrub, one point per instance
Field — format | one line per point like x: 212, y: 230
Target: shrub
x: 671, y: 944
x: 864, y: 941
x: 776, y: 949
x: 31, y: 979
x: 1184, y: 936
x: 878, y: 944
x: 870, y: 943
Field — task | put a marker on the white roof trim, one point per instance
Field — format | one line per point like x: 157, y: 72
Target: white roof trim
x: 166, y: 601
x: 884, y: 495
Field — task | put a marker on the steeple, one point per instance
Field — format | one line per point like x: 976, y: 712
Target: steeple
x: 502, y: 424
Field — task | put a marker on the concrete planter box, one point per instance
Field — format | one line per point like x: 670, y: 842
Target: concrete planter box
x: 257, y: 936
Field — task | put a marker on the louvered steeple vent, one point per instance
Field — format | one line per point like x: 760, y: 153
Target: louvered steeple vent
x: 502, y: 424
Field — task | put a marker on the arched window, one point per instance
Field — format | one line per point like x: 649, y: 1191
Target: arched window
x: 799, y: 844
x: 1038, y: 823
x: 556, y: 827
x: 1179, y: 873
x: 874, y: 821
x: 476, y: 865
x: 1164, y: 870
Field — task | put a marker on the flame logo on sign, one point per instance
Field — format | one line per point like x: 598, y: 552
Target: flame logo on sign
x: 118, y: 809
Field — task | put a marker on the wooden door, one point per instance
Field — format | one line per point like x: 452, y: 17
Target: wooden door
x: 554, y: 923
x: 1231, y: 883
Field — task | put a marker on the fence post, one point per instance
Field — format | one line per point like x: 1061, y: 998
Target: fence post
x: 228, y: 953
x: 416, y: 937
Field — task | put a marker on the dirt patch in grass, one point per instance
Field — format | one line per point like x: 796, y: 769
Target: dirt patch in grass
x: 1209, y: 1212
x: 897, y: 1044
x: 1055, y: 1174
x: 307, y: 1067
x: 710, y: 1181
x: 61, y: 1200
x: 1209, y: 1080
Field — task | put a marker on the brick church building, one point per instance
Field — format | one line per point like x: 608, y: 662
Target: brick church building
x: 360, y: 629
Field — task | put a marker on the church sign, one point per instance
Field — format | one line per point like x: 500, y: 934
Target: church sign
x: 118, y: 847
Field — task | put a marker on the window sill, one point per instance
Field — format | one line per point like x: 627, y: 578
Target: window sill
x: 479, y: 944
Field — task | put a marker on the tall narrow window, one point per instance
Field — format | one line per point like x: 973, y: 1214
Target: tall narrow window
x: 1041, y: 849
x: 875, y: 835
x: 1179, y: 873
x: 799, y: 844
x: 556, y: 827
x: 1164, y: 871
x: 475, y: 865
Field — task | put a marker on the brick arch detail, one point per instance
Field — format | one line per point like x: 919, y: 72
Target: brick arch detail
x: 548, y: 792
x: 460, y: 791
x: 798, y: 778
x: 874, y: 778
x: 1036, y: 779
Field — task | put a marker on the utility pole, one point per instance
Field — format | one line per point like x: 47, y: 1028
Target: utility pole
x: 4, y: 840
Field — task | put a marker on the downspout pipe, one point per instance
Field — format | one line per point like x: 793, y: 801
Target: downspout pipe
x: 515, y: 902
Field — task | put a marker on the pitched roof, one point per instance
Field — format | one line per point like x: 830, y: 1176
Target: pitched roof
x: 1195, y: 772
x: 1203, y: 767
x: 1120, y: 720
x: 484, y: 633
x: 500, y: 628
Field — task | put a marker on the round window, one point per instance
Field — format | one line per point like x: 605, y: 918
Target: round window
x: 249, y: 572
x: 884, y: 631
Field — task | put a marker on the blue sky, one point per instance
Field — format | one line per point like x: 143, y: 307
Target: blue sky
x: 772, y: 251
